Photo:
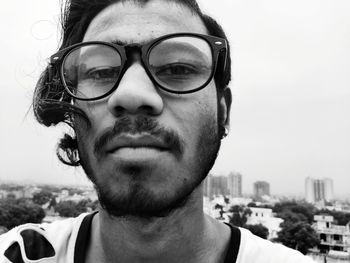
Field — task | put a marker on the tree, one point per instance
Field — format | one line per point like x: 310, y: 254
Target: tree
x: 300, y: 236
x: 252, y: 204
x: 14, y: 212
x: 226, y: 200
x: 258, y: 230
x: 221, y: 208
x: 53, y: 202
x: 289, y: 216
x: 239, y: 215
x: 72, y: 209
x: 295, y: 212
x: 11, y: 196
x: 42, y: 197
x: 93, y: 205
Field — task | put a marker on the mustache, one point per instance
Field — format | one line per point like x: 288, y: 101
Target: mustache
x: 140, y: 124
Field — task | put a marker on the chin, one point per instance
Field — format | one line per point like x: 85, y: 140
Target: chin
x: 143, y: 191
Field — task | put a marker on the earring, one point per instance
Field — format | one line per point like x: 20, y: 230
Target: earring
x: 223, y: 131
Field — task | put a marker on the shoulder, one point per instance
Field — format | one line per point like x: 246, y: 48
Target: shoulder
x: 40, y: 241
x: 255, y: 249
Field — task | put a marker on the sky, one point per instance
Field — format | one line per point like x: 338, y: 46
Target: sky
x: 290, y: 116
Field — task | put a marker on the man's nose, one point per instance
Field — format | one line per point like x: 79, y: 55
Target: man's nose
x: 135, y: 94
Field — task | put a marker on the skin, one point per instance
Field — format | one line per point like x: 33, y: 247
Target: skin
x: 186, y: 234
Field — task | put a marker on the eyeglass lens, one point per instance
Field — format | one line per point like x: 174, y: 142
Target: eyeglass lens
x: 179, y: 64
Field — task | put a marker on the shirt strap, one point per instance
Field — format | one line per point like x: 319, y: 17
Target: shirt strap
x: 234, y: 245
x: 83, y: 238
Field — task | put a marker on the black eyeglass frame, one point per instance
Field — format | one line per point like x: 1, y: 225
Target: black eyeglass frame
x: 217, y: 45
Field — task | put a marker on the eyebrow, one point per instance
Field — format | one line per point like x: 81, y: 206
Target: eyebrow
x: 119, y: 42
x: 125, y: 43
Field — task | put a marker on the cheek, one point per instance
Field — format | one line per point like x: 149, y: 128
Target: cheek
x: 198, y: 119
x: 87, y: 133
x: 97, y: 114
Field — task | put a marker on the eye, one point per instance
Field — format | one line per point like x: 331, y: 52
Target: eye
x: 175, y: 69
x: 102, y: 73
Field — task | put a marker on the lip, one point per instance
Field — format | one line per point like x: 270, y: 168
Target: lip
x: 136, y: 141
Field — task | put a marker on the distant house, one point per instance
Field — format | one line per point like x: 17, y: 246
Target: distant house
x: 265, y: 217
x: 335, y: 239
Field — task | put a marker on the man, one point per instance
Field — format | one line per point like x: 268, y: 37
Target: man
x: 143, y: 84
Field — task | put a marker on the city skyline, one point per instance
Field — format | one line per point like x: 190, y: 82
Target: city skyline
x: 290, y: 116
x: 226, y: 185
x: 316, y: 190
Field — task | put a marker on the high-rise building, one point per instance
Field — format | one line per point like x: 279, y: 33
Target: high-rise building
x: 261, y: 188
x: 319, y: 193
x: 215, y: 186
x: 219, y: 185
x: 234, y: 184
x: 317, y: 190
x: 328, y: 189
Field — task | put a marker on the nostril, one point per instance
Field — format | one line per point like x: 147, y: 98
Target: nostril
x: 144, y: 109
x: 147, y: 109
x: 119, y: 111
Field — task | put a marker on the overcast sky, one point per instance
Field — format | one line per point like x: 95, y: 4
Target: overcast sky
x: 291, y: 92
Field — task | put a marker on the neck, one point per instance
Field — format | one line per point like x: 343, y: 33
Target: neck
x: 185, y: 235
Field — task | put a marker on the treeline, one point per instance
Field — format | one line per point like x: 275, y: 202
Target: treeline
x: 16, y: 211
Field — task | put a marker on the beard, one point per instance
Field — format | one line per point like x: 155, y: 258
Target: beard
x: 135, y: 198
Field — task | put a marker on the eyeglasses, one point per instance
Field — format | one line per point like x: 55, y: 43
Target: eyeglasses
x: 178, y: 63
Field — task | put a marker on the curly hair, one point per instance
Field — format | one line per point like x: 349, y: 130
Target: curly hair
x: 52, y: 105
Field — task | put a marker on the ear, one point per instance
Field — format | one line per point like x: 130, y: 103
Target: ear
x: 225, y: 101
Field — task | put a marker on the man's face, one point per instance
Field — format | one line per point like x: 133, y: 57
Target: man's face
x: 146, y: 150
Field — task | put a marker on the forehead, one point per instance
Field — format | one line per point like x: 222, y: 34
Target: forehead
x: 132, y: 22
